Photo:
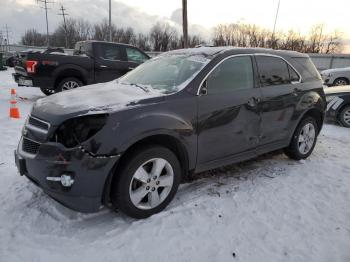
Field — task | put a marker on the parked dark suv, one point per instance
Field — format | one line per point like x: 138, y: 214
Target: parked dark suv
x: 130, y: 142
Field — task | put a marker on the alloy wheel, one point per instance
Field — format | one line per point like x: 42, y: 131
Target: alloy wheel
x: 306, y: 138
x: 70, y: 85
x: 340, y: 82
x: 151, y: 183
x: 346, y: 116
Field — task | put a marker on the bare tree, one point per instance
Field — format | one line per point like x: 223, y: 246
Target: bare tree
x: 246, y: 35
x: 101, y: 31
x: 316, y: 39
x: 74, y: 30
x: 33, y: 38
x: 333, y: 43
x: 143, y: 42
x: 161, y: 35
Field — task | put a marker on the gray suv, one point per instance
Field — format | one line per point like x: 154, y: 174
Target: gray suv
x: 130, y: 142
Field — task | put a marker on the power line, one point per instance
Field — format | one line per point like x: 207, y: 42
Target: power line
x: 46, y: 2
x: 64, y: 14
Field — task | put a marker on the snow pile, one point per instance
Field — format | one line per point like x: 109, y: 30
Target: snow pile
x: 267, y: 209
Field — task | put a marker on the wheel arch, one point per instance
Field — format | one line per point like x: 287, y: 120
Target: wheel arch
x: 317, y: 115
x: 341, y: 108
x: 166, y: 140
x: 70, y: 71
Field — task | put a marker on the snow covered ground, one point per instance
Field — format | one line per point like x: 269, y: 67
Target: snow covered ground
x: 267, y: 209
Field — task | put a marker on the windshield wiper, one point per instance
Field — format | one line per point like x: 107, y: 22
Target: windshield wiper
x: 144, y: 88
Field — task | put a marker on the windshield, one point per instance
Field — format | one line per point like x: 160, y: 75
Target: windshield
x: 167, y: 73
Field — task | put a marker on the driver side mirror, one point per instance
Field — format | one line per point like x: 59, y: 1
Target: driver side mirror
x: 204, y: 88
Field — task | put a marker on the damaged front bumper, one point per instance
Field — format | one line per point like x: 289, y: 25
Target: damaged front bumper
x: 45, y: 164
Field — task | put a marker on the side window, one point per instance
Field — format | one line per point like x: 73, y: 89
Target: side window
x: 306, y: 68
x: 294, y: 77
x: 110, y: 52
x: 135, y: 55
x: 233, y: 74
x: 272, y: 71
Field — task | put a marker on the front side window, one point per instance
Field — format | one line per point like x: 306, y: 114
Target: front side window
x: 135, y: 55
x: 273, y: 71
x: 110, y: 52
x: 234, y: 73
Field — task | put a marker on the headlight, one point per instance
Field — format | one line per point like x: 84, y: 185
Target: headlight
x: 77, y: 130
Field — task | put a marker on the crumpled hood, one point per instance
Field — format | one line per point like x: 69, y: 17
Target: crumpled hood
x: 99, y: 98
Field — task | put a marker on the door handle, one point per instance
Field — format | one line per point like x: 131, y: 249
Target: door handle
x: 103, y: 66
x: 296, y: 91
x: 253, y: 102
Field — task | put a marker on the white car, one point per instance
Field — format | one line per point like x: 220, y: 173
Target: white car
x: 336, y: 76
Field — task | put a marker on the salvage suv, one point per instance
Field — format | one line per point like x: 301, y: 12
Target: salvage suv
x: 129, y: 143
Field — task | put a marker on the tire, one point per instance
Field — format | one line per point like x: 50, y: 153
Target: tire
x: 341, y: 81
x: 344, y: 116
x: 144, y: 203
x: 68, y: 83
x: 295, y: 149
x: 47, y: 91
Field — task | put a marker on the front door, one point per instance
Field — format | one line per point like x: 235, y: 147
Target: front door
x: 228, y: 111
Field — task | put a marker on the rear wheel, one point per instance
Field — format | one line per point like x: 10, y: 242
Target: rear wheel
x: 344, y: 116
x: 303, y: 140
x: 147, y: 183
x: 68, y: 84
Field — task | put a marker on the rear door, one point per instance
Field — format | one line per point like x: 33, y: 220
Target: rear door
x: 110, y: 62
x: 228, y: 112
x: 281, y: 90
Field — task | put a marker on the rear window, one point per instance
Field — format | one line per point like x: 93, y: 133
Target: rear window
x: 306, y: 69
x: 110, y: 52
x: 273, y: 71
x: 79, y: 49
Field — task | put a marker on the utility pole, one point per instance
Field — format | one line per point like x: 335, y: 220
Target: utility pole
x: 46, y: 2
x: 184, y: 24
x: 274, y: 25
x: 110, y: 21
x: 63, y: 14
x: 7, y: 39
x: 7, y: 34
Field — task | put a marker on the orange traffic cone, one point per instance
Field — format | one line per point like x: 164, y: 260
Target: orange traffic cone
x: 14, y: 111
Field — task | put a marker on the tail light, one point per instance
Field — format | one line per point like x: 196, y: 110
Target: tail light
x: 31, y: 66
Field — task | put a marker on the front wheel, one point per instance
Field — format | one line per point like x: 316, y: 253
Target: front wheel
x: 147, y: 183
x: 303, y: 140
x: 341, y: 81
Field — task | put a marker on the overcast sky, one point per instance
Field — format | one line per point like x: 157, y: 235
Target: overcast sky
x: 203, y: 14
